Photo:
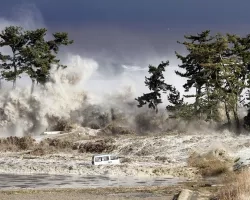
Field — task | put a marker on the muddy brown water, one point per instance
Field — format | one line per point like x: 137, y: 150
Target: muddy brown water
x: 13, y: 181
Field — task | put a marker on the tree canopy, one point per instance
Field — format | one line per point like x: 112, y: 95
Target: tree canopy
x: 216, y: 68
x: 30, y: 53
x: 156, y: 84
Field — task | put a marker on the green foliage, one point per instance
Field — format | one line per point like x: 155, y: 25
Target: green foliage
x: 30, y: 53
x: 156, y: 85
x: 217, y: 68
x: 14, y: 38
x: 176, y: 103
x: 201, y: 71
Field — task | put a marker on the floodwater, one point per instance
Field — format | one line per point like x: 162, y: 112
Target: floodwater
x: 13, y: 181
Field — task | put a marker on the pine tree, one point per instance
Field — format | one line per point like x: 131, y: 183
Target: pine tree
x: 30, y: 53
x: 39, y: 54
x: 235, y: 72
x: 11, y: 65
x: 156, y: 84
x: 199, y: 71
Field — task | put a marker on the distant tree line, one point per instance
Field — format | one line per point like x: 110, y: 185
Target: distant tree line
x: 29, y: 53
x: 217, y: 68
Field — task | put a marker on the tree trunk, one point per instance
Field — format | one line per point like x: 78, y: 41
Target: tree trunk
x: 32, y: 86
x: 227, y: 114
x: 209, y: 112
x: 14, y: 84
x: 197, y: 100
x: 237, y: 122
x: 15, y: 71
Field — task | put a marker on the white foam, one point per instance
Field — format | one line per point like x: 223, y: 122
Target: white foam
x: 25, y: 113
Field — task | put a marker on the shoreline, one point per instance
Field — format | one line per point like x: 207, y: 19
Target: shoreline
x: 93, y: 190
x: 16, y: 182
x: 112, y: 193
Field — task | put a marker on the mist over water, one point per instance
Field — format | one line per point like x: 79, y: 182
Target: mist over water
x: 80, y: 87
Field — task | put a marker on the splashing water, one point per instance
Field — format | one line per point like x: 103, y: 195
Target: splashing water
x: 75, y: 93
x: 24, y: 113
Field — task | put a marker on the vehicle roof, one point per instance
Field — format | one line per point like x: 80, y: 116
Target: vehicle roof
x: 104, y: 155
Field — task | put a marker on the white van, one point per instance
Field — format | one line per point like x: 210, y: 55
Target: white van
x: 104, y: 159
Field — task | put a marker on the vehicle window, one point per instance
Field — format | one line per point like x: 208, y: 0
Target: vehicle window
x: 113, y: 158
x: 98, y: 159
x: 105, y: 158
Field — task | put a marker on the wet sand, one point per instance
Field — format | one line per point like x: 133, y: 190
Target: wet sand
x: 77, y: 196
x: 14, y: 181
x: 152, y: 193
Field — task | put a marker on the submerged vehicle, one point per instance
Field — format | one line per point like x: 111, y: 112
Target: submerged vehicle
x: 104, y: 159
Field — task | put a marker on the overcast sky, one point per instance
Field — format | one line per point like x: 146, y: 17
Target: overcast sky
x: 174, y: 13
x: 135, y: 32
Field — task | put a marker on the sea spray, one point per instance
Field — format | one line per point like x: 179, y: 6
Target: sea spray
x: 24, y: 113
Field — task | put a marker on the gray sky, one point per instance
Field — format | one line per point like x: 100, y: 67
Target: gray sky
x: 174, y: 13
x: 134, y: 32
